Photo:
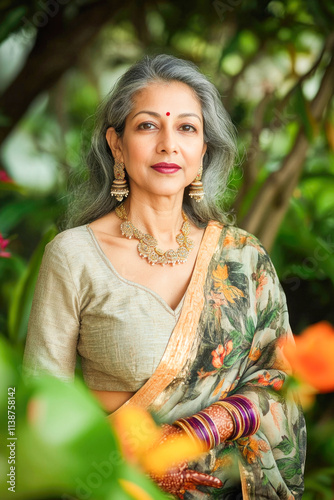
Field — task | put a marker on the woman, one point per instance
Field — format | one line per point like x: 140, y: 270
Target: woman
x: 204, y: 335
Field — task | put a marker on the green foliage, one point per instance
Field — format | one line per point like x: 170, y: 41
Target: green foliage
x: 23, y: 292
x: 64, y: 435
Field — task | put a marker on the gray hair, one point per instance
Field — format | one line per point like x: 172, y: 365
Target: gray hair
x: 92, y: 199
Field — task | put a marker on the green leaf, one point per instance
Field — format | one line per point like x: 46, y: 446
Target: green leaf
x: 12, y: 213
x: 12, y: 21
x: 286, y: 445
x: 231, y: 358
x: 250, y: 330
x: 23, y: 294
x: 289, y: 467
x: 264, y: 403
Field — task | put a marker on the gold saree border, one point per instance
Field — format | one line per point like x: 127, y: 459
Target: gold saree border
x: 184, y: 333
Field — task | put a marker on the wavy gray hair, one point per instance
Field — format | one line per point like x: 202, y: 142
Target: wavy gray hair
x: 92, y: 198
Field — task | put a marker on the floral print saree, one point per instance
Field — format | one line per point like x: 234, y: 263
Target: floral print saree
x: 228, y: 340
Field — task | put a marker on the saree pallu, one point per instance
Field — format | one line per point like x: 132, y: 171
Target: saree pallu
x: 228, y: 340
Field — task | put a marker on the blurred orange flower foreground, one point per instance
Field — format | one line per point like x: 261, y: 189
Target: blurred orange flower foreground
x: 140, y: 440
x: 312, y: 357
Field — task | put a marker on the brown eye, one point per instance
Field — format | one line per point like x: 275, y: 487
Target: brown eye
x: 146, y: 126
x: 188, y: 128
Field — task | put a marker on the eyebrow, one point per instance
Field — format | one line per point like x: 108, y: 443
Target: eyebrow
x: 153, y: 113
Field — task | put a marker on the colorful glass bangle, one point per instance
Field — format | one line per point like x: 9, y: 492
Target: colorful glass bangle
x: 213, y: 427
x: 208, y: 426
x: 250, y: 408
x: 184, y: 427
x: 238, y: 425
x: 247, y: 410
x: 200, y: 430
x: 192, y: 431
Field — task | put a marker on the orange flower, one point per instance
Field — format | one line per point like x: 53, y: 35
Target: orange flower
x: 134, y: 490
x: 219, y: 354
x: 140, y: 441
x: 261, y: 279
x: 254, y: 354
x: 312, y: 357
x: 276, y: 383
x: 220, y: 276
x: 264, y: 379
x: 252, y: 448
x: 219, y: 386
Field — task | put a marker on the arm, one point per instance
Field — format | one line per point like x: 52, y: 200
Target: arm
x: 54, y: 320
x: 234, y: 418
x: 273, y: 457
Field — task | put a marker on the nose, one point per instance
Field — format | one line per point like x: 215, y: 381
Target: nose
x: 167, y: 142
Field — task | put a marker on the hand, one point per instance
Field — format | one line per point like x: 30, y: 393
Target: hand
x: 179, y: 478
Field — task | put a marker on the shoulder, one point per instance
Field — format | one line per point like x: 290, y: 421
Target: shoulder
x: 234, y: 238
x: 239, y: 246
x: 69, y: 246
x: 69, y: 239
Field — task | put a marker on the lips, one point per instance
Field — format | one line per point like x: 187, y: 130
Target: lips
x: 166, y: 168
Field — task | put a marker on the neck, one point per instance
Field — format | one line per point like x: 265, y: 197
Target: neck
x: 160, y: 217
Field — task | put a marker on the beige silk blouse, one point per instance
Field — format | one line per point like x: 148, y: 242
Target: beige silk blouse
x: 120, y: 329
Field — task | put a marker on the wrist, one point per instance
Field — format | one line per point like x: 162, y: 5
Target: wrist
x: 229, y: 419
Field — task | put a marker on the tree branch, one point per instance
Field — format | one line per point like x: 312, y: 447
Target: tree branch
x: 57, y: 48
x: 273, y: 197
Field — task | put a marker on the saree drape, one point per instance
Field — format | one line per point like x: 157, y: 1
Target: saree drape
x: 228, y: 340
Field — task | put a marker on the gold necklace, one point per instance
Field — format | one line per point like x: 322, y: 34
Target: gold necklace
x: 148, y: 245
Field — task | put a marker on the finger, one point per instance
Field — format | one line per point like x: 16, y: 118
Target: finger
x: 194, y: 477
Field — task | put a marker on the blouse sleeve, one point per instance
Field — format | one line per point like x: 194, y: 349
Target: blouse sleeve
x: 54, y: 321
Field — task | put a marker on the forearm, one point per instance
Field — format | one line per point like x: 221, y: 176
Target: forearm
x: 230, y: 419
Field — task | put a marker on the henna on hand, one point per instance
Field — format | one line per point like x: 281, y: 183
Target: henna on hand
x: 223, y: 421
x: 180, y: 478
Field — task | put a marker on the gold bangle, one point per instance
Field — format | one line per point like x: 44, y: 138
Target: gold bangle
x: 238, y: 417
x: 186, y: 429
x: 235, y: 415
x: 203, y: 421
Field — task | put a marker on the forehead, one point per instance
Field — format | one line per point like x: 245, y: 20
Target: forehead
x: 167, y: 96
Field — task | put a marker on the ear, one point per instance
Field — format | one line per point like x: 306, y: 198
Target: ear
x: 115, y: 143
x: 205, y: 146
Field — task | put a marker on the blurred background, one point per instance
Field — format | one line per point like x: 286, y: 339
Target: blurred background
x: 273, y: 64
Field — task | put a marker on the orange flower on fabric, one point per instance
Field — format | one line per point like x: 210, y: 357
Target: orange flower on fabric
x: 219, y: 354
x: 261, y: 280
x: 312, y: 356
x: 254, y: 354
x: 276, y: 383
x: 252, y: 448
x: 264, y: 379
x: 220, y: 277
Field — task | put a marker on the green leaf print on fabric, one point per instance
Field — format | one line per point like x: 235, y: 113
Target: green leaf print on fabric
x: 286, y: 446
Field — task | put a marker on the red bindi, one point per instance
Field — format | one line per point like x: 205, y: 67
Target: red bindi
x: 168, y: 113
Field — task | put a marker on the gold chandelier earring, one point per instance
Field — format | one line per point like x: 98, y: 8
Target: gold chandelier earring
x: 120, y: 187
x: 196, y: 187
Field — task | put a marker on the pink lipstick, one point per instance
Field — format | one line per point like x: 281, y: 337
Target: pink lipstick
x: 166, y: 168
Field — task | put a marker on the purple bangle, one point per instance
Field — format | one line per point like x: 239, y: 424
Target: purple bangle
x: 247, y: 411
x: 196, y: 431
x: 244, y: 416
x: 212, y: 426
x: 253, y: 414
x: 236, y: 427
x: 199, y: 429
